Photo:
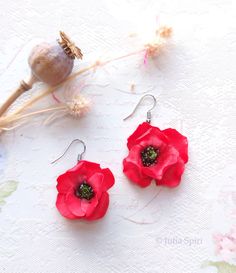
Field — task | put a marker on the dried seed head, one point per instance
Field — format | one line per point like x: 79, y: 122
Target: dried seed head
x: 78, y: 106
x: 52, y: 63
x: 164, y: 32
x: 154, y: 48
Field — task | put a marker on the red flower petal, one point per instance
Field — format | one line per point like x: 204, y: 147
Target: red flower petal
x: 101, y: 208
x: 179, y: 141
x: 87, y: 165
x: 135, y: 155
x: 74, y: 205
x: 108, y: 179
x: 157, y: 140
x: 64, y: 183
x: 84, y: 169
x: 168, y: 157
x: 141, y: 130
x: 172, y: 176
x: 133, y: 172
x: 62, y: 207
x: 88, y: 206
x: 96, y: 182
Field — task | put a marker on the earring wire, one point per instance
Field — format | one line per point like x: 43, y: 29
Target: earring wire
x: 79, y: 157
x: 149, y: 115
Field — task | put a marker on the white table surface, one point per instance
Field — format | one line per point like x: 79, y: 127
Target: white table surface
x: 195, y: 82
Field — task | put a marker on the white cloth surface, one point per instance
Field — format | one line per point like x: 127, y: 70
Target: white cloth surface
x: 194, y: 81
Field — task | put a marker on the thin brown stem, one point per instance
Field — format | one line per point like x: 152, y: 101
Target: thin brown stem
x: 23, y: 87
x: 13, y: 97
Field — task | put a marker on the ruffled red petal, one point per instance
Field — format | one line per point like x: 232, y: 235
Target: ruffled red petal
x: 156, y: 140
x: 62, y: 207
x: 83, y: 170
x: 108, y: 179
x: 74, y: 205
x: 88, y: 206
x: 168, y: 157
x: 135, y: 155
x: 65, y: 184
x: 141, y: 130
x: 179, y: 141
x: 96, y: 182
x: 133, y: 172
x: 172, y: 176
x: 101, y: 208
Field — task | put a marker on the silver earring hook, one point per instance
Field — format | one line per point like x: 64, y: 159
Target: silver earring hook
x: 79, y: 157
x: 149, y: 115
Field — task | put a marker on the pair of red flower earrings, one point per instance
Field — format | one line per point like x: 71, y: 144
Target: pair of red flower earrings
x: 154, y: 154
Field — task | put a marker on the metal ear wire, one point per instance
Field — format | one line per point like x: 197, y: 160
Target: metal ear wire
x: 79, y: 157
x: 149, y: 114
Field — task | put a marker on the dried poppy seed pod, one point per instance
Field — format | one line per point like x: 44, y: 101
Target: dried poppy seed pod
x: 50, y: 63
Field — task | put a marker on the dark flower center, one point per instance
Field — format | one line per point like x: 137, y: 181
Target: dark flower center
x: 149, y: 156
x: 84, y: 191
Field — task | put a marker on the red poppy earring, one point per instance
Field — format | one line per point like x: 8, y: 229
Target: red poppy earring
x: 82, y: 190
x: 155, y: 154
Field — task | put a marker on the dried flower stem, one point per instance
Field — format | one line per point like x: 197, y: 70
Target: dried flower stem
x: 23, y: 87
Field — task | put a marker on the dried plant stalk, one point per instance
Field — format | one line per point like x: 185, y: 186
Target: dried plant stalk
x: 23, y: 87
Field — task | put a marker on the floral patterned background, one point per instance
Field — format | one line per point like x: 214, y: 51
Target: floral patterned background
x: 189, y: 229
